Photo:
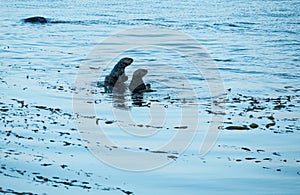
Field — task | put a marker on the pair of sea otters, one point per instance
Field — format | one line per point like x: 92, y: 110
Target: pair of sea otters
x: 117, y: 78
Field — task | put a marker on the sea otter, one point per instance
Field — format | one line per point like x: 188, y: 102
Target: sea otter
x: 137, y: 84
x: 116, y: 78
x: 36, y: 20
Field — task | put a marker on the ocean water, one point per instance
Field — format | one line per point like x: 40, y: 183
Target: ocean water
x: 223, y: 117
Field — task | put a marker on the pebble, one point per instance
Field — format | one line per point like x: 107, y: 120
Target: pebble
x: 253, y: 125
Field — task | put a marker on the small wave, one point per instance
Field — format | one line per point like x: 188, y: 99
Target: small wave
x: 247, y: 23
x: 226, y: 24
x: 240, y: 71
x: 223, y: 60
x: 143, y: 19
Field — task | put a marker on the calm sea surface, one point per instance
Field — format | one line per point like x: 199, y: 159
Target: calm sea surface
x: 254, y: 48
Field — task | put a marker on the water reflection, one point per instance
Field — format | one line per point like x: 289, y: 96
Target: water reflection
x: 119, y: 101
x: 138, y: 99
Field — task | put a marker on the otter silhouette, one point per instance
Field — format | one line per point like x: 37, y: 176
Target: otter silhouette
x: 116, y: 78
x: 137, y: 84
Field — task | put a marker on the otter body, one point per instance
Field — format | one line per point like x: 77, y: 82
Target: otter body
x: 117, y: 77
x: 137, y: 84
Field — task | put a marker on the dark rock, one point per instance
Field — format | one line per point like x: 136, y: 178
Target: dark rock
x: 270, y: 125
x: 250, y: 158
x: 276, y: 154
x: 36, y: 20
x: 46, y: 164
x: 237, y: 128
x: 247, y: 149
x: 267, y: 159
x: 172, y: 157
x: 253, y: 125
x: 181, y: 127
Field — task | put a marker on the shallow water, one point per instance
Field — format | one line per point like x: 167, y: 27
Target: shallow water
x: 255, y: 47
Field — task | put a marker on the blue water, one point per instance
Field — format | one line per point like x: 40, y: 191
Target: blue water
x: 254, y: 44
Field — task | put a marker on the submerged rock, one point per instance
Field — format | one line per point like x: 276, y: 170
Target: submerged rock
x: 237, y: 128
x: 109, y: 122
x: 36, y: 20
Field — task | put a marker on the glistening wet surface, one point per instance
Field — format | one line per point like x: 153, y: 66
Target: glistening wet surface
x: 255, y: 47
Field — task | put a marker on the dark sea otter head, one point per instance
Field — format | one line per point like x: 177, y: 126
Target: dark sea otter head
x: 124, y: 62
x: 140, y: 73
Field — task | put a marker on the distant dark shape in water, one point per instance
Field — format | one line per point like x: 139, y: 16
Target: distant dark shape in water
x: 137, y: 84
x: 36, y: 20
x: 115, y: 80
